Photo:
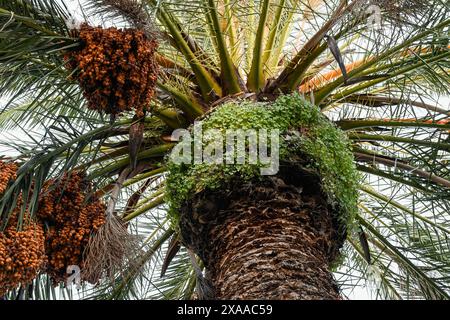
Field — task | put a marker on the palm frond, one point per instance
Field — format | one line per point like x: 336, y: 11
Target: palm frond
x: 385, y: 88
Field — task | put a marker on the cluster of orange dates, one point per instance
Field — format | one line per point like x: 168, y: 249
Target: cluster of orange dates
x: 115, y: 68
x: 117, y: 71
x: 22, y: 253
x: 7, y: 173
x: 71, y: 217
x: 66, y: 218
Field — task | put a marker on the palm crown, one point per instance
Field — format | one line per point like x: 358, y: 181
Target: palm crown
x: 380, y: 84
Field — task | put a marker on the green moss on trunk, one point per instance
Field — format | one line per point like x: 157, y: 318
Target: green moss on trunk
x: 306, y: 136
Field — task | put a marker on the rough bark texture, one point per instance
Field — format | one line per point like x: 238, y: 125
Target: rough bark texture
x: 269, y: 239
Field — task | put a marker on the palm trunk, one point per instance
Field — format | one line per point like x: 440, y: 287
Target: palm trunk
x: 271, y: 239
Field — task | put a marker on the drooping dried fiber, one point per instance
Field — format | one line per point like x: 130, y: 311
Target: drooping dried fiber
x: 109, y: 250
x: 273, y: 238
x: 112, y: 246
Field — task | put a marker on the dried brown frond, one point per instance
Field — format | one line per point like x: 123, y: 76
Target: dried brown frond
x: 109, y: 251
x: 133, y: 11
x: 112, y: 247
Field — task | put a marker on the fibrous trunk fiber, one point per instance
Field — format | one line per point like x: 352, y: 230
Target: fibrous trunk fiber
x: 268, y: 239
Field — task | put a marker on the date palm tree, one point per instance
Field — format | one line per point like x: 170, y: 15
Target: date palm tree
x: 363, y: 198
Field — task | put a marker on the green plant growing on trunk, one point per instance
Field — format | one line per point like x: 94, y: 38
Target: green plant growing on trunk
x: 322, y: 137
